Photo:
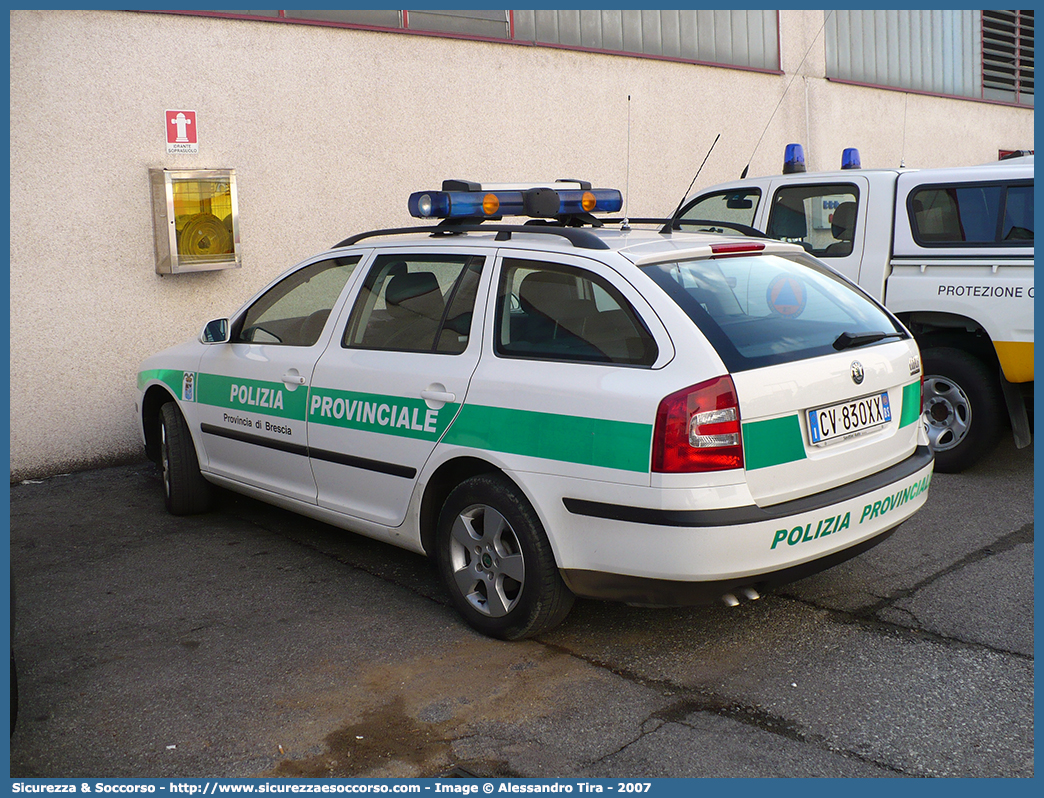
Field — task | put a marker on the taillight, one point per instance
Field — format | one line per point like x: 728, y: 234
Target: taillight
x: 698, y: 429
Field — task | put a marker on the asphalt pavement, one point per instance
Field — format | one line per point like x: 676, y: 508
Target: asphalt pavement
x: 252, y: 642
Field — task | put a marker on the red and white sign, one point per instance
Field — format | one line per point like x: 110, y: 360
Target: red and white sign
x: 181, y: 133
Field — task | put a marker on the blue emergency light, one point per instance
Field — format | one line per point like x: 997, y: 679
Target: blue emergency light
x: 850, y: 158
x: 460, y: 199
x: 793, y: 159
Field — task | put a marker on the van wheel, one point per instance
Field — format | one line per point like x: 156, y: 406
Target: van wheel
x: 962, y: 408
x: 496, y: 561
x: 185, y: 491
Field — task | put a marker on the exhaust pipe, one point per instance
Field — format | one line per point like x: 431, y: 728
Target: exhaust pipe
x: 748, y: 593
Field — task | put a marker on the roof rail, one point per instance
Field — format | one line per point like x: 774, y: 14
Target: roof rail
x: 669, y: 225
x: 742, y: 229
x: 582, y: 239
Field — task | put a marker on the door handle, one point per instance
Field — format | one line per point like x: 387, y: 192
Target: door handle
x: 438, y: 396
x: 292, y: 378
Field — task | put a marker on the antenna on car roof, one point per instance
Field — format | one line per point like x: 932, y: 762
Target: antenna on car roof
x: 670, y: 222
x: 826, y: 17
x: 626, y: 225
x: 902, y: 153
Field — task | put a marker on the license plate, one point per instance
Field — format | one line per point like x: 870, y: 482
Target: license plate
x: 845, y: 418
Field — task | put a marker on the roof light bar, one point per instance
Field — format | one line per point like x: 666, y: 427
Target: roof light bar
x: 464, y: 200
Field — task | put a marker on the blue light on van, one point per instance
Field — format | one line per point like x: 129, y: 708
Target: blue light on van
x: 794, y: 159
x: 850, y: 158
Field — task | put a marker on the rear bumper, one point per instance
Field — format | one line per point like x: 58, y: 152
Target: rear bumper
x: 644, y: 591
x: 733, y: 516
x: 683, y: 557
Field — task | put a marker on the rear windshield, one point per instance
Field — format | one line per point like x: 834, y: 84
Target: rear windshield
x: 766, y: 309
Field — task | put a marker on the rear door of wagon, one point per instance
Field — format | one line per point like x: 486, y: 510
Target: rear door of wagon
x: 828, y: 382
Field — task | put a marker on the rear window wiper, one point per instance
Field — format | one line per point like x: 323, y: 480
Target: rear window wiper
x: 847, y: 340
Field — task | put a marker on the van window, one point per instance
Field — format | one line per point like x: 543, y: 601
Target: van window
x: 822, y: 218
x: 972, y: 213
x: 738, y: 205
x: 1018, y: 214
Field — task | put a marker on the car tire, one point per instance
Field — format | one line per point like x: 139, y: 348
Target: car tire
x: 185, y: 491
x: 496, y: 562
x: 963, y: 408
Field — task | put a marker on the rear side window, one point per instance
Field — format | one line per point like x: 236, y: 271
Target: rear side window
x: 822, y: 218
x: 981, y: 213
x: 554, y: 312
x: 1017, y: 222
x: 416, y: 303
x: 763, y: 310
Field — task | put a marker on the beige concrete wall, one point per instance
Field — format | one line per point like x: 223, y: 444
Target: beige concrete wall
x: 329, y: 130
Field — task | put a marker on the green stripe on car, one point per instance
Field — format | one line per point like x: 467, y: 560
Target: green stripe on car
x: 778, y: 441
x: 236, y: 393
x: 172, y: 378
x: 391, y: 415
x: 911, y: 412
x: 773, y: 442
x: 571, y: 439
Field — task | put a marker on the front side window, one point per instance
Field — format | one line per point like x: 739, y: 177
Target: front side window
x: 960, y: 214
x: 737, y: 206
x: 294, y: 311
x: 557, y: 312
x: 822, y: 218
x: 762, y: 310
x: 416, y: 303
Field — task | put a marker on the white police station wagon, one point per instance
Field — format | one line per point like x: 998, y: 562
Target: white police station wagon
x: 559, y: 408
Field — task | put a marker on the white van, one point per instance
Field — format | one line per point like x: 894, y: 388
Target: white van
x: 949, y: 251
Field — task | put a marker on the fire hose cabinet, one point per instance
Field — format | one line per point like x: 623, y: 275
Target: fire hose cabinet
x: 196, y: 220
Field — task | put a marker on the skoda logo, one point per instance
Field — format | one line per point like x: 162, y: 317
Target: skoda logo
x: 857, y: 372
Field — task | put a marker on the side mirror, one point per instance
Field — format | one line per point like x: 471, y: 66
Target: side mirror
x: 215, y: 332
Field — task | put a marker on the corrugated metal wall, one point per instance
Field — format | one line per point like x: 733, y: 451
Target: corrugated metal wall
x: 739, y: 38
x: 933, y: 51
x: 736, y: 38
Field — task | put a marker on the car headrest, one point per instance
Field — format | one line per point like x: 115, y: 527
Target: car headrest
x: 842, y: 223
